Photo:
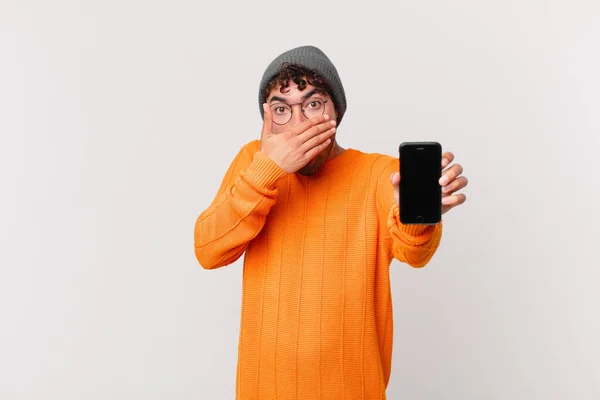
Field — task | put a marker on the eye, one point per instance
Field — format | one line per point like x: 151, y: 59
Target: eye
x: 280, y: 110
x: 315, y: 104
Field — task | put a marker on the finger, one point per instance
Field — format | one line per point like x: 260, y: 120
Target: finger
x: 316, y: 150
x: 447, y: 158
x: 317, y: 140
x: 267, y: 120
x: 455, y: 185
x: 312, y: 122
x: 316, y: 130
x: 454, y: 200
x: 450, y: 174
x: 395, y: 179
x: 445, y: 209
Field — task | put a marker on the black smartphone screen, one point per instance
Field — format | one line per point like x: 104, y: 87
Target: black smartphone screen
x: 420, y: 190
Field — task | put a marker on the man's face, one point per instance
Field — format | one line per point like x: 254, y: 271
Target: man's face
x: 291, y: 95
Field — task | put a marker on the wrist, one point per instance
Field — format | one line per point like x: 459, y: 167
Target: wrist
x: 264, y: 171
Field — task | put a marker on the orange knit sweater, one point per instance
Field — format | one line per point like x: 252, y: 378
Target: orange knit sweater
x: 316, y: 317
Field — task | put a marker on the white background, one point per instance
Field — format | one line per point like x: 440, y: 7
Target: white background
x: 118, y: 120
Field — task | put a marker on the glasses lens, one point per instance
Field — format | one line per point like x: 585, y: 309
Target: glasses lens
x: 281, y: 113
x: 313, y: 107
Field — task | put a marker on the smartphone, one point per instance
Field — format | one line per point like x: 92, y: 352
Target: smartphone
x: 420, y: 190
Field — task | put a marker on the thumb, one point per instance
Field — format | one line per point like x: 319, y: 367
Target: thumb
x: 267, y: 120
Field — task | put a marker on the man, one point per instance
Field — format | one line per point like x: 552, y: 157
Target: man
x: 319, y: 225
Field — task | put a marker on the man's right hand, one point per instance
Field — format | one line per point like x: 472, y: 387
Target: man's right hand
x: 295, y: 147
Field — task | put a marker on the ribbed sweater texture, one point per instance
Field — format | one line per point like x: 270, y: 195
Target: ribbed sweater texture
x: 316, y: 318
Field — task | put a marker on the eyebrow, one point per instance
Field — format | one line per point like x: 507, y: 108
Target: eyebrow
x: 306, y: 96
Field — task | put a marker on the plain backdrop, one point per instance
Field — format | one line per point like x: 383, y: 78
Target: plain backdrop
x: 118, y: 120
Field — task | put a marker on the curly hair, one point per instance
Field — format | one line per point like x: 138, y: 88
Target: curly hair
x: 300, y: 76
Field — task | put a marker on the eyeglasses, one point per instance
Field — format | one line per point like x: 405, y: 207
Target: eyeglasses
x: 312, y: 107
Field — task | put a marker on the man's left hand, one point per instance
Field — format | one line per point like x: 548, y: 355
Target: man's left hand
x: 451, y: 182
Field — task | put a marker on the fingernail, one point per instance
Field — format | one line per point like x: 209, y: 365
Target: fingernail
x: 443, y: 180
x: 264, y: 106
x: 333, y: 123
x: 444, y: 161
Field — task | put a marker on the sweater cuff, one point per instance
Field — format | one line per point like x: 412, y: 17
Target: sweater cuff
x: 264, y: 172
x: 410, y: 234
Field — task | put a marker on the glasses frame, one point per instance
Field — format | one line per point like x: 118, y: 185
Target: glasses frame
x: 291, y: 106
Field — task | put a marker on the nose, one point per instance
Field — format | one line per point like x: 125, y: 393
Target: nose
x: 297, y: 116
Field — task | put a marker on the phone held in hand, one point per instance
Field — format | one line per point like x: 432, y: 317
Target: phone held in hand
x: 420, y: 190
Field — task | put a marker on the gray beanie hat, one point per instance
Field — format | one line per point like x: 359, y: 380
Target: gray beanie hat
x: 312, y: 58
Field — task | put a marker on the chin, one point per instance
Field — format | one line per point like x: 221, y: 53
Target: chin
x: 317, y: 162
x: 311, y: 168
